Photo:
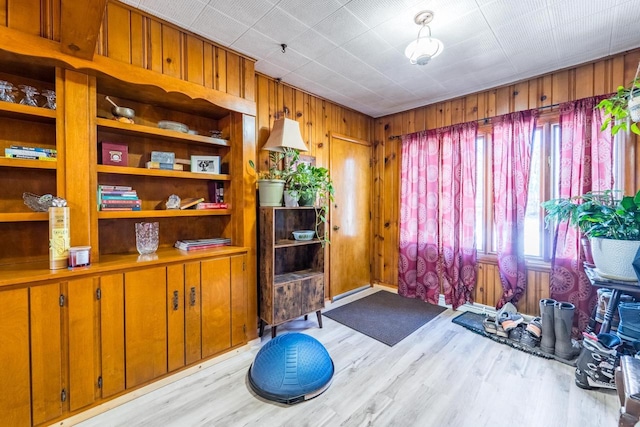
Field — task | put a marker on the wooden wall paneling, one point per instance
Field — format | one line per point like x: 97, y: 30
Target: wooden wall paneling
x: 430, y: 119
x: 25, y: 16
x: 172, y: 53
x: 118, y: 37
x: 46, y: 352
x: 220, y: 62
x: 51, y: 12
x: 503, y: 100
x: 584, y: 81
x: 112, y: 334
x: 3, y: 13
x: 177, y: 297
x: 209, y: 66
x: 631, y: 61
x: 80, y: 24
x: 617, y: 72
x: 15, y: 386
x: 288, y: 106
x: 249, y: 74
x: 601, y: 77
x: 139, y: 32
x: 83, y: 358
x: 156, y: 59
x: 560, y: 87
x: 234, y: 74
x: 378, y: 185
x: 457, y: 111
x: 520, y: 96
x: 420, y: 119
x: 546, y: 91
x: 299, y: 112
x: 194, y: 60
x: 471, y: 108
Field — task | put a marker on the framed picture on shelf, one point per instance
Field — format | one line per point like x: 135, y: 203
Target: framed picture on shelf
x: 205, y: 164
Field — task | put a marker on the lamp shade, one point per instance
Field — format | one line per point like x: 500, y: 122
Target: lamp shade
x: 421, y: 50
x: 285, y: 134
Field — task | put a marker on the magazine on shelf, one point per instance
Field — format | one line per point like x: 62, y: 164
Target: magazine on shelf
x: 194, y: 244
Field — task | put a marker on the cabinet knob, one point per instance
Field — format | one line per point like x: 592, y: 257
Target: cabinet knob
x: 336, y: 227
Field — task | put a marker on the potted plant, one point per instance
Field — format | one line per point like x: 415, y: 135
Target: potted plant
x: 271, y: 182
x: 623, y: 105
x: 314, y: 186
x: 612, y: 225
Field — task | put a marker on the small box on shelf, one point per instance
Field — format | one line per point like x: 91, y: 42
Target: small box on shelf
x: 163, y: 157
x: 113, y: 154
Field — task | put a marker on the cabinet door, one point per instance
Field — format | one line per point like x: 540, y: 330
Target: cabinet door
x: 145, y: 320
x: 216, y: 305
x: 112, y: 333
x: 312, y: 294
x: 46, y: 352
x: 192, y: 312
x: 286, y: 302
x: 83, y: 342
x: 15, y: 387
x: 175, y: 316
x: 238, y: 300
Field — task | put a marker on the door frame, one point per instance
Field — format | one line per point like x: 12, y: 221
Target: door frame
x: 327, y: 273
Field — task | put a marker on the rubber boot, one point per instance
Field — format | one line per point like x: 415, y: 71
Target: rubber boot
x: 565, y: 347
x: 596, y: 364
x: 548, y: 340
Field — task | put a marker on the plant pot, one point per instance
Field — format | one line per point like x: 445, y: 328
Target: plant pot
x: 614, y: 258
x: 634, y: 108
x: 307, y: 200
x: 291, y: 198
x: 586, y: 249
x: 270, y: 192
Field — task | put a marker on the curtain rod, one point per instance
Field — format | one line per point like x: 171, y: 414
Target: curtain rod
x: 487, y: 120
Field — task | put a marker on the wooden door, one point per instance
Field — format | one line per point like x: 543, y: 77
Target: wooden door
x: 82, y: 312
x: 15, y: 386
x: 192, y: 315
x: 145, y: 320
x: 216, y: 305
x: 238, y: 300
x: 350, y: 220
x: 112, y: 333
x: 175, y: 317
x: 46, y: 352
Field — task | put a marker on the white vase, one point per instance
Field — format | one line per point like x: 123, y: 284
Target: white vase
x: 634, y: 108
x: 614, y: 258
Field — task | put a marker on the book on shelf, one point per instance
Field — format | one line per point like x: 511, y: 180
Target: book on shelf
x: 30, y: 157
x: 21, y: 152
x: 190, y: 202
x: 120, y: 204
x: 216, y: 191
x: 123, y: 196
x: 164, y: 166
x: 37, y: 149
x: 115, y: 188
x: 121, y: 208
x: 211, y: 205
x: 196, y: 244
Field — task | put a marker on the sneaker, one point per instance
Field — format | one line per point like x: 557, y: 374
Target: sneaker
x: 489, y: 325
x: 510, y: 320
x: 516, y: 333
x: 532, y: 333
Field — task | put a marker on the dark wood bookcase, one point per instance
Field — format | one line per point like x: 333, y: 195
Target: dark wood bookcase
x: 291, y: 271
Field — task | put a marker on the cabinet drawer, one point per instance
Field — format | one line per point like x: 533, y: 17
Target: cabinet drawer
x: 287, y: 302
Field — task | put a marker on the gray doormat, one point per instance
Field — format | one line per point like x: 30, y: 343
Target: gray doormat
x: 473, y: 322
x: 385, y: 316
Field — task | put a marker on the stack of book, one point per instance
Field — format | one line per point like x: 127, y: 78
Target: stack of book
x: 117, y: 198
x: 198, y: 244
x: 34, y: 153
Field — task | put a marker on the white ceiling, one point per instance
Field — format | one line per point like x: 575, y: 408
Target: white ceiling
x: 352, y: 51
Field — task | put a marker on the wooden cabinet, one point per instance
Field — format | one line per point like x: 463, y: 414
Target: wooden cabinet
x: 291, y: 271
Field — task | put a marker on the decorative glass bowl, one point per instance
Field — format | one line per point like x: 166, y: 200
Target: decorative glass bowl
x: 303, y: 234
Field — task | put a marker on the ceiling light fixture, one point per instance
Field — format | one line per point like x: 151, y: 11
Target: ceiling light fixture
x: 424, y: 47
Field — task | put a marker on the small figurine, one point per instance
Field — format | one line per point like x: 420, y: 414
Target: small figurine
x: 173, y: 202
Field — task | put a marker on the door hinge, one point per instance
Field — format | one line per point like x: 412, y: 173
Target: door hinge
x: 99, y: 382
x: 61, y: 300
x: 63, y: 395
x: 98, y: 294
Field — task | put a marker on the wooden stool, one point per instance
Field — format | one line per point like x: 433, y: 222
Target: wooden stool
x: 628, y: 387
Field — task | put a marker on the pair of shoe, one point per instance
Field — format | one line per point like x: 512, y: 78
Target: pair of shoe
x: 532, y: 333
x: 506, y: 320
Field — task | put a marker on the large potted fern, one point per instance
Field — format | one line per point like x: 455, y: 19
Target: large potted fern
x: 612, y: 225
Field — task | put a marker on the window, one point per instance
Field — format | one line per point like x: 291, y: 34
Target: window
x: 543, y: 185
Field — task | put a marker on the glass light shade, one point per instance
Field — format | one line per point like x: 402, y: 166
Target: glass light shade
x: 285, y: 134
x: 421, y: 50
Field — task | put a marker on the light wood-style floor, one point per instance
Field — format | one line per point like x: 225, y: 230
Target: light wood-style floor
x: 442, y: 375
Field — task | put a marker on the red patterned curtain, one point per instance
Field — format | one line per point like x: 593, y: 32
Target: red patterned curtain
x: 512, y: 142
x: 437, y: 214
x: 586, y: 157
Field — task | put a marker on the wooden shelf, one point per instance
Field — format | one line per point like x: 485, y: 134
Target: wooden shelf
x: 280, y: 279
x: 172, y: 135
x: 162, y: 213
x: 28, y: 163
x: 19, y: 111
x: 122, y: 170
x: 287, y: 243
x: 24, y: 217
